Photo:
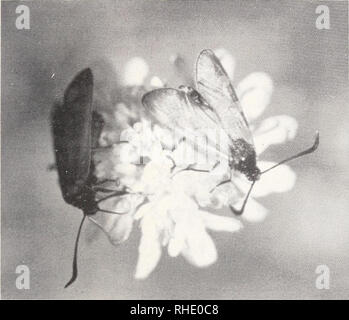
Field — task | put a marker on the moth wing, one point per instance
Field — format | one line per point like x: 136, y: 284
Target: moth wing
x: 173, y: 109
x: 71, y: 126
x: 214, y: 85
x: 97, y: 126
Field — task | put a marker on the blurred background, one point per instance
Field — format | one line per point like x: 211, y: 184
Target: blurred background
x: 277, y: 258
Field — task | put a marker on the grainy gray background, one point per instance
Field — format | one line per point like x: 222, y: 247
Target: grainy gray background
x: 274, y: 259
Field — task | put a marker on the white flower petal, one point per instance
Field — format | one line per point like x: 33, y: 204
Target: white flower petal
x: 128, y: 153
x: 121, y: 205
x: 165, y: 137
x: 220, y: 223
x: 227, y: 60
x: 223, y: 195
x: 254, y: 211
x: 144, y: 210
x: 116, y: 227
x: 193, y: 183
x: 156, y: 82
x: 155, y: 178
x: 184, y: 154
x: 254, y: 93
x: 148, y: 258
x: 127, y: 135
x: 280, y: 179
x: 274, y: 130
x: 203, y: 197
x: 136, y: 70
x: 183, y: 207
x: 177, y: 242
x: 149, y: 248
x: 200, y: 249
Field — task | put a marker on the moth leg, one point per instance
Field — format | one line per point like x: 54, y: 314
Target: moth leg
x: 121, y: 213
x: 138, y: 164
x: 115, y: 194
x: 105, y: 190
x: 101, y: 148
x: 107, y: 180
x: 215, y: 165
x: 97, y: 188
x: 240, y: 212
x: 99, y: 183
x: 173, y: 163
x: 189, y: 168
x: 221, y: 183
x: 110, y: 212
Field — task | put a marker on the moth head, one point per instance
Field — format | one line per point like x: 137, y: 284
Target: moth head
x: 253, y: 174
x: 193, y: 95
x: 247, y: 166
x: 186, y: 89
x: 82, y: 198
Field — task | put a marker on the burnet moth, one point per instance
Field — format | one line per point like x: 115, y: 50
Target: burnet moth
x: 75, y: 130
x: 213, y: 105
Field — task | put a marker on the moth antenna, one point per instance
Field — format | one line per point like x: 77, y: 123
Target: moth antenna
x: 298, y: 155
x: 75, y: 259
x: 240, y: 212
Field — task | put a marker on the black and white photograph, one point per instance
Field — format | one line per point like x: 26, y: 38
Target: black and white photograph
x: 174, y: 150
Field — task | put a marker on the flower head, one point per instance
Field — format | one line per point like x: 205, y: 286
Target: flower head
x: 171, y: 197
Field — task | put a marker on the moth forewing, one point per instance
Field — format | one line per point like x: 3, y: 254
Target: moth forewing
x: 213, y: 83
x: 190, y: 121
x: 71, y: 126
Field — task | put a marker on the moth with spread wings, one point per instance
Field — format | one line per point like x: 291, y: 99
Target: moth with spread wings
x: 212, y: 105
